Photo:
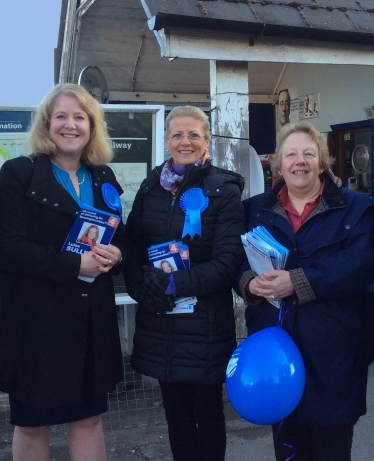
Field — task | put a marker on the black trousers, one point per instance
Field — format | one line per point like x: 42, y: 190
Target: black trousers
x: 312, y: 442
x: 196, y: 422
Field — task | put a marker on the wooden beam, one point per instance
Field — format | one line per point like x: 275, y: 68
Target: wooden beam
x: 180, y: 98
x: 200, y: 44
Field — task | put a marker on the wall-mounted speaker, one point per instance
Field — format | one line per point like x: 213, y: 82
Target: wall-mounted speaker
x: 369, y: 111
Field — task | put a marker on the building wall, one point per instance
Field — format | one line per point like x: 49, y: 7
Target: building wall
x: 344, y: 90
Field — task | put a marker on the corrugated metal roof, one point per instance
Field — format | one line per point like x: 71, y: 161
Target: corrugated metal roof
x: 332, y: 20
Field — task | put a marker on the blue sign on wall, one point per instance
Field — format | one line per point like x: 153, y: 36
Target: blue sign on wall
x: 14, y: 121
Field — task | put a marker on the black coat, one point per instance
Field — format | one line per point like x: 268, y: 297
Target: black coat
x: 193, y: 347
x: 335, y: 250
x: 44, y: 307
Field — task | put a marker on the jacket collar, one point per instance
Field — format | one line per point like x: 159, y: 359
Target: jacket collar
x: 45, y: 190
x: 214, y: 178
x: 332, y: 196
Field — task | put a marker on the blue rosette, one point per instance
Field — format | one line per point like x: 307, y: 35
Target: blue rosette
x: 111, y: 198
x: 193, y: 202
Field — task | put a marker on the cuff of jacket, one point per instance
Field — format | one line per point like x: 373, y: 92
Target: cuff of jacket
x: 248, y: 298
x: 301, y: 286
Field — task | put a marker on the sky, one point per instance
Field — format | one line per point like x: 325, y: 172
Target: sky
x: 28, y: 36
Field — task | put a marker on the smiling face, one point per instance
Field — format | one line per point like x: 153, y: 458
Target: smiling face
x: 300, y: 164
x: 166, y: 267
x: 186, y: 151
x: 92, y: 233
x: 69, y: 127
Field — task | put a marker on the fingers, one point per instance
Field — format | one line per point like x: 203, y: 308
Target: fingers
x: 264, y: 288
x: 106, y: 256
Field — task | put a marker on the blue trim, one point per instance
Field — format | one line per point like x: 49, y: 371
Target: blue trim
x: 352, y: 125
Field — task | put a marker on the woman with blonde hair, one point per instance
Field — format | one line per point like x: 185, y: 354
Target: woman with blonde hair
x: 187, y: 352
x: 59, y: 344
x: 90, y: 235
x: 166, y: 266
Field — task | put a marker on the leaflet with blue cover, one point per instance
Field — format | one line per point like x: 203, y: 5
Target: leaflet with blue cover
x: 172, y: 256
x: 90, y: 226
x: 264, y: 253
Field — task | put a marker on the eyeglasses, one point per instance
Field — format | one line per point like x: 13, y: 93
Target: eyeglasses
x: 180, y: 136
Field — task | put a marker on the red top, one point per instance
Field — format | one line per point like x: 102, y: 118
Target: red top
x: 297, y: 220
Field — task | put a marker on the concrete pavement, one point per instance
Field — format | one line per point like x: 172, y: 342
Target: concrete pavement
x: 245, y: 442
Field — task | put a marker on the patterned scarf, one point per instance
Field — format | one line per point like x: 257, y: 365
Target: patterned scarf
x: 172, y: 176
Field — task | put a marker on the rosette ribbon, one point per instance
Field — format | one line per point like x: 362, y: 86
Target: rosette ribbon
x: 193, y: 202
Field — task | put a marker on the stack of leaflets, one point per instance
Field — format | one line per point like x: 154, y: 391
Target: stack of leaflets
x: 264, y: 253
x: 90, y: 226
x: 170, y: 257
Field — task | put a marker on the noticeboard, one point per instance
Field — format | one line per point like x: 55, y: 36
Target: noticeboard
x: 137, y: 137
x: 14, y: 122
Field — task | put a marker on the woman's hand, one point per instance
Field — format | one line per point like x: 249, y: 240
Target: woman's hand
x: 272, y: 285
x: 99, y: 260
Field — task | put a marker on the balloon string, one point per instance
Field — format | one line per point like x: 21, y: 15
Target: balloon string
x: 285, y: 444
x: 283, y: 312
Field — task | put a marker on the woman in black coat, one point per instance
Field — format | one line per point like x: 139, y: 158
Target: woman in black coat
x: 59, y: 344
x: 187, y: 352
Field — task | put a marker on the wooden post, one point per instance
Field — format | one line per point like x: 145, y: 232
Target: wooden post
x: 230, y: 125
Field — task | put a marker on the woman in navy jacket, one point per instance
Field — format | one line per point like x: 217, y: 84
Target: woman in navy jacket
x: 329, y: 231
x: 60, y: 351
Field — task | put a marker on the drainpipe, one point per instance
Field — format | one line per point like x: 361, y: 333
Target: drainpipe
x: 71, y: 38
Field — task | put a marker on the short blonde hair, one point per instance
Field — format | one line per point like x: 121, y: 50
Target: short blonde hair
x: 325, y: 161
x: 189, y: 111
x: 98, y: 150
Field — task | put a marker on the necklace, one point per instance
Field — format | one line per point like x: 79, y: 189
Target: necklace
x: 74, y: 183
x: 79, y: 183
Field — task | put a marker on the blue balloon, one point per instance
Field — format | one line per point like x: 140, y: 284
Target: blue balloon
x: 265, y: 377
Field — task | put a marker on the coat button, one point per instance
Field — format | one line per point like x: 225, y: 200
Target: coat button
x: 95, y: 183
x: 347, y: 226
x: 217, y: 190
x: 44, y: 199
x: 32, y: 193
x: 55, y: 204
x: 208, y: 191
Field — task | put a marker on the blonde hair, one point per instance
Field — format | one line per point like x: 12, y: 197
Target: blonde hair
x: 189, y: 111
x: 93, y: 226
x: 167, y: 262
x: 325, y: 161
x: 98, y: 150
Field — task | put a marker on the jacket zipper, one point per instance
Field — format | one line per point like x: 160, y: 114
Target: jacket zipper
x: 171, y: 323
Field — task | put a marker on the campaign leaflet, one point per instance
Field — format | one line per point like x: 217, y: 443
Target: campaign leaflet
x: 264, y: 253
x: 90, y: 226
x: 169, y: 257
